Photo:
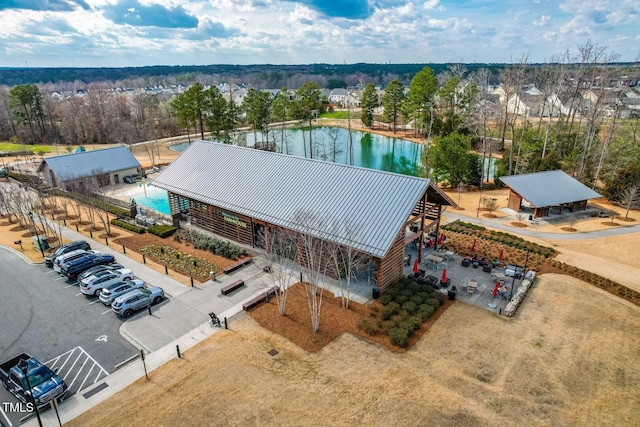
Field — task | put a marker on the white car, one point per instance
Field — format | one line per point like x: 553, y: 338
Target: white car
x: 111, y: 292
x: 92, y: 285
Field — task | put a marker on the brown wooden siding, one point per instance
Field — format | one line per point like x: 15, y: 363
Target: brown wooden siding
x: 515, y: 200
x: 391, y: 266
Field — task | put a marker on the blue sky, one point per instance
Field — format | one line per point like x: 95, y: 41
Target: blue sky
x: 113, y: 33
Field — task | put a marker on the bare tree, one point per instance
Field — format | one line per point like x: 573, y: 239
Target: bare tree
x: 490, y: 203
x: 573, y: 218
x: 311, y: 255
x: 520, y: 217
x: 630, y: 195
x: 281, y: 254
x: 346, y: 261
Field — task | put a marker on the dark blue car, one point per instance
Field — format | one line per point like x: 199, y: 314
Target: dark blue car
x: 72, y: 269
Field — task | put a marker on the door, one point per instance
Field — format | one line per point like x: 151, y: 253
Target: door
x: 116, y: 178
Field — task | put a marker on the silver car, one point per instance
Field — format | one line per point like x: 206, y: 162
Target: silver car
x: 111, y: 292
x: 100, y: 269
x: 92, y: 285
x: 126, y: 304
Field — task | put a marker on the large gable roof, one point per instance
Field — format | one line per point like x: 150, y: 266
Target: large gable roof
x: 366, y: 208
x: 88, y: 163
x: 549, y: 188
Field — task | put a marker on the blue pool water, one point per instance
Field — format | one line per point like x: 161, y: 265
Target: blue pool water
x: 155, y: 199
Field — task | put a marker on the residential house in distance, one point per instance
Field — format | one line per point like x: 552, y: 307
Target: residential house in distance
x: 102, y: 167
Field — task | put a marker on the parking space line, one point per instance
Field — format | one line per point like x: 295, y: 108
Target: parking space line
x: 68, y: 286
x: 65, y: 362
x: 59, y: 278
x: 79, y: 370
x: 49, y: 272
x: 87, y: 376
x: 74, y: 362
x: 80, y: 293
x: 93, y: 302
x: 6, y: 418
x: 108, y: 311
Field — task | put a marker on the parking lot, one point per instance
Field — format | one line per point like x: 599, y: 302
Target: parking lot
x: 49, y: 318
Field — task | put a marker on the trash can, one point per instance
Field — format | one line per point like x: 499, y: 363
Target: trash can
x: 451, y: 295
x: 213, y: 275
x: 530, y: 217
x: 41, y: 243
x: 375, y: 293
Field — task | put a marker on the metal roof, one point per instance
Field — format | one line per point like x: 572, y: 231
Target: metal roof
x: 549, y: 188
x: 88, y: 163
x: 366, y: 208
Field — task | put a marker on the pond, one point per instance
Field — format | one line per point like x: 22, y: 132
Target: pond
x: 365, y: 149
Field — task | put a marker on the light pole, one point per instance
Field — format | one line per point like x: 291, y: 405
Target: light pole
x: 24, y: 367
x: 36, y: 230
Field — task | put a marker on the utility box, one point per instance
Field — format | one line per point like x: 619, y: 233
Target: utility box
x: 41, y: 243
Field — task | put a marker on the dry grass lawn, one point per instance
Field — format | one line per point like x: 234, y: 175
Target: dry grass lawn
x: 570, y: 357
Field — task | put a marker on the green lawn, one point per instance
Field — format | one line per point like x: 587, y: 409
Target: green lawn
x: 339, y: 115
x: 10, y: 146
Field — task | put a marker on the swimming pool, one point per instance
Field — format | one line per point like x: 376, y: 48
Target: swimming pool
x: 155, y: 198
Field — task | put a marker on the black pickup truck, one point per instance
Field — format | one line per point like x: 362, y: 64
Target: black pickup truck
x: 45, y: 384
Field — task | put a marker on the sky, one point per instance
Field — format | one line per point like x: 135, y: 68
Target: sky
x: 118, y: 33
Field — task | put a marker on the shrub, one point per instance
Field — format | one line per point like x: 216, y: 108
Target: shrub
x: 127, y: 226
x: 425, y: 312
x: 374, y: 310
x: 415, y: 322
x: 433, y: 302
x: 390, y: 310
x: 401, y: 299
x: 440, y: 297
x: 417, y: 299
x: 399, y: 336
x: 410, y: 307
x: 162, y: 230
x: 118, y: 211
x: 386, y: 298
x: 368, y: 326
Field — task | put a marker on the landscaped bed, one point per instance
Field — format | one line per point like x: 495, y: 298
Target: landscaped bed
x: 335, y: 320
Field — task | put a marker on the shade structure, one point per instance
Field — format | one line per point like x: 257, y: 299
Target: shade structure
x: 501, y: 254
x: 416, y: 268
x: 443, y: 279
x: 473, y: 247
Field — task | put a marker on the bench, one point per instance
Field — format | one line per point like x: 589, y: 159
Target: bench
x: 257, y: 300
x: 237, y: 265
x: 232, y: 287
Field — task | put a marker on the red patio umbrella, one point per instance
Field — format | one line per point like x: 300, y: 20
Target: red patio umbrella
x: 416, y: 269
x: 495, y: 289
x: 501, y: 254
x: 444, y: 276
x: 441, y: 240
x: 473, y: 247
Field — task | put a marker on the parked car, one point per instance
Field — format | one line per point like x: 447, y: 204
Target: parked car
x: 130, y: 179
x: 99, y: 268
x: 45, y: 384
x: 72, y: 269
x: 125, y: 305
x: 93, y: 285
x: 111, y: 292
x: 69, y: 247
x: 70, y: 256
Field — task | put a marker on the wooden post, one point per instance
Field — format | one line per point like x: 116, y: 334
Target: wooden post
x: 421, y: 231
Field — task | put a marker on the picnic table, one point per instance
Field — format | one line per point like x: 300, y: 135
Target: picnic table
x: 433, y: 261
x: 472, y: 285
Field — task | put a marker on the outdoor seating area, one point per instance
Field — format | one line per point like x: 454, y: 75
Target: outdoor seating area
x: 477, y: 279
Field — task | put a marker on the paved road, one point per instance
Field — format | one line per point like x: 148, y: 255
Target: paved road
x: 497, y: 224
x: 43, y: 315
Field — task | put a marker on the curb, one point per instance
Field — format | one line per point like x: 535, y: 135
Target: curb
x: 20, y: 254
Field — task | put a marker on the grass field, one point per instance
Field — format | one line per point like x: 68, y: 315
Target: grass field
x: 569, y: 357
x: 10, y: 146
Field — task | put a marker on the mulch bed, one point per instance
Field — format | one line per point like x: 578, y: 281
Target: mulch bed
x: 568, y: 229
x: 626, y: 219
x: 489, y: 215
x: 113, y: 235
x: 19, y: 228
x: 518, y: 224
x: 335, y: 320
x: 611, y: 223
x: 140, y: 240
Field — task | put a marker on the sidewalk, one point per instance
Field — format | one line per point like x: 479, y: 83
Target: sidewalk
x: 182, y: 320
